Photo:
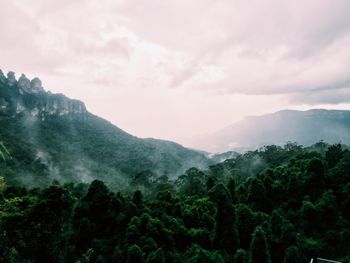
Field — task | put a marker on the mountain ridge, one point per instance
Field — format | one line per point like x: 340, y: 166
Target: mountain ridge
x: 52, y: 137
x: 304, y: 127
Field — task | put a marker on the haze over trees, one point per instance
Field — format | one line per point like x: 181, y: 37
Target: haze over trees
x: 294, y: 205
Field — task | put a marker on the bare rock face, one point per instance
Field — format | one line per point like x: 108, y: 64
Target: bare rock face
x: 24, y: 84
x: 27, y: 86
x: 29, y: 97
x: 36, y: 85
x: 2, y: 77
x: 11, y: 79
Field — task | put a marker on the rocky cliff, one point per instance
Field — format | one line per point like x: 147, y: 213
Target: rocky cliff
x: 28, y: 97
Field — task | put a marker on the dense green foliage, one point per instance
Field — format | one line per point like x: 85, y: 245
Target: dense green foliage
x: 273, y: 205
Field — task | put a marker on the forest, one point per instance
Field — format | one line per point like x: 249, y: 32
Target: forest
x: 275, y: 204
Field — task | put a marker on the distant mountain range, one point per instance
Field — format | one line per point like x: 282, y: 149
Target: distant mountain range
x: 303, y: 127
x: 51, y: 137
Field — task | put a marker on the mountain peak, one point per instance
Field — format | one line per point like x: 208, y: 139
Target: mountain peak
x: 36, y: 85
x: 11, y: 78
x: 2, y: 77
x: 27, y: 96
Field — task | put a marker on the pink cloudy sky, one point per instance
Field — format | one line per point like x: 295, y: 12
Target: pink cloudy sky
x: 176, y: 69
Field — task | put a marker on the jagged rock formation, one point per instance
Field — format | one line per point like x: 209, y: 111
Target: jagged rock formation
x: 36, y: 85
x: 24, y: 84
x: 29, y: 97
x: 2, y: 77
x: 11, y: 79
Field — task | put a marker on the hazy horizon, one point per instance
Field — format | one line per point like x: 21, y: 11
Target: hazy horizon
x: 176, y: 70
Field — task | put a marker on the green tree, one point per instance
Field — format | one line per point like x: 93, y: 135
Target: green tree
x: 196, y: 254
x: 257, y: 195
x: 191, y: 183
x: 226, y: 235
x: 293, y: 255
x: 135, y: 254
x: 334, y: 154
x: 210, y: 183
x: 232, y: 189
x: 247, y: 223
x: 137, y: 198
x: 259, y: 251
x: 316, y: 181
x: 157, y: 256
x: 241, y: 256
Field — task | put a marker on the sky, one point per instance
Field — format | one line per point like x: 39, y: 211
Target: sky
x: 177, y: 69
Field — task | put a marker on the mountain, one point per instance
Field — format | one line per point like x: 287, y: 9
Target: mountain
x: 50, y: 137
x: 303, y: 127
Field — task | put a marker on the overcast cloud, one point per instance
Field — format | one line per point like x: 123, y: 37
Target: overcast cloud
x: 174, y: 69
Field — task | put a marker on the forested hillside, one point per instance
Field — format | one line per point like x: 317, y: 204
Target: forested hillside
x: 271, y: 205
x: 51, y: 137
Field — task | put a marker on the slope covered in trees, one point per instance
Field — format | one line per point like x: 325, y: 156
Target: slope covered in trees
x: 50, y: 136
x: 272, y: 205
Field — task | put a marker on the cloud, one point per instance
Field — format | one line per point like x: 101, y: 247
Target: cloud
x: 111, y: 51
x: 255, y: 47
x: 316, y: 97
x: 269, y: 47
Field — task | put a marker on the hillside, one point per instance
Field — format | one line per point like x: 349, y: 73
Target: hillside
x: 51, y: 137
x: 304, y: 127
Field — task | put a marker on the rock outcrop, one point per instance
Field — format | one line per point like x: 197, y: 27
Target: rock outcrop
x: 11, y: 79
x: 28, y: 97
x: 36, y: 85
x: 27, y: 86
x: 24, y: 84
x: 2, y: 77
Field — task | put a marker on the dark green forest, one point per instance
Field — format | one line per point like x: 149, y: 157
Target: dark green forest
x: 276, y: 204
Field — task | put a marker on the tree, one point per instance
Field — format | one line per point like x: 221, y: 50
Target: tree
x: 210, y: 183
x: 156, y: 256
x: 293, y: 255
x: 241, y: 256
x: 2, y: 183
x: 191, y: 183
x: 246, y: 224
x: 259, y: 250
x: 95, y: 216
x: 257, y: 195
x: 315, y: 167
x: 316, y: 180
x: 340, y: 173
x: 226, y: 235
x: 196, y: 254
x: 137, y: 198
x: 135, y: 254
x: 334, y: 154
x: 232, y: 189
